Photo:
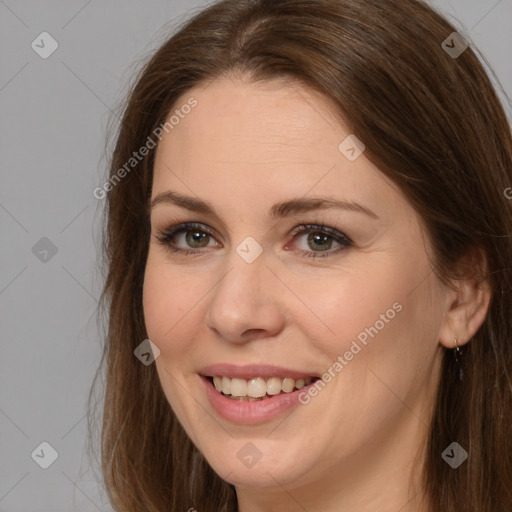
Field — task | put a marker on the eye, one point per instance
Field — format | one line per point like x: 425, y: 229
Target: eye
x: 197, y: 236
x: 321, y: 237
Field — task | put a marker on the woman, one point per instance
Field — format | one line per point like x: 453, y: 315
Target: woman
x: 309, y: 282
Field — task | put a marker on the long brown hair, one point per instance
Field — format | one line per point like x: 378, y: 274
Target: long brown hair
x: 430, y: 121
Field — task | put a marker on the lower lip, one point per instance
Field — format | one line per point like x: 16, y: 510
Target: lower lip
x: 251, y: 412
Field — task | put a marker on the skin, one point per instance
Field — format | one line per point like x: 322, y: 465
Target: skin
x: 357, y: 444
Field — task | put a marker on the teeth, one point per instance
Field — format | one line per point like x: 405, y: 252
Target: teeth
x: 244, y: 398
x: 239, y: 387
x: 274, y: 386
x: 226, y: 386
x: 300, y: 383
x: 288, y: 385
x: 258, y: 388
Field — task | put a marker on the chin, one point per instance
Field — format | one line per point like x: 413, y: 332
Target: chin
x: 258, y: 464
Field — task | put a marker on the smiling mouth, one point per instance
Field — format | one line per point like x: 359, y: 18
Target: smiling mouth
x: 258, y: 389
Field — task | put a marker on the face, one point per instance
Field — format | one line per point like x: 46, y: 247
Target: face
x: 278, y: 296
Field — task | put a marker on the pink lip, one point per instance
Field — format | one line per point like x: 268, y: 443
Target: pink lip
x: 252, y: 371
x: 251, y: 412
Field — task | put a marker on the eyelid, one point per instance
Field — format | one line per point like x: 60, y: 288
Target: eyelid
x: 166, y: 234
x: 320, y: 227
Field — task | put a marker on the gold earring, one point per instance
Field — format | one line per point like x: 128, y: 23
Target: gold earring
x: 458, y: 354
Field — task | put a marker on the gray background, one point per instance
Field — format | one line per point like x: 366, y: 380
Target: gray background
x: 53, y: 116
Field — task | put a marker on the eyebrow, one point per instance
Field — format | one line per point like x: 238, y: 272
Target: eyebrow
x: 279, y: 210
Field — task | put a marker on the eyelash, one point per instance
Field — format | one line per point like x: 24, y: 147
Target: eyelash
x: 166, y: 235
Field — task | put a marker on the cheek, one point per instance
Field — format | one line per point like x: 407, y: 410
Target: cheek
x: 389, y: 351
x: 167, y: 297
x: 355, y: 304
x: 168, y: 302
x: 386, y: 320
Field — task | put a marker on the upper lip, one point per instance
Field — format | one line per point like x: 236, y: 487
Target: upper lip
x: 252, y: 371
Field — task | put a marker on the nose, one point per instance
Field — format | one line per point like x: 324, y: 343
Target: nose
x: 245, y: 303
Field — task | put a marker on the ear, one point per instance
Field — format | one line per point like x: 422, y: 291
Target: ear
x: 468, y: 304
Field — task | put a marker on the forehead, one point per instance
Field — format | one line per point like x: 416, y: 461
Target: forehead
x: 252, y: 141
x: 234, y: 116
